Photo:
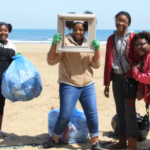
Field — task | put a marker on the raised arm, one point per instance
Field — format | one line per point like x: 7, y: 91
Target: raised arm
x: 53, y: 57
x: 52, y: 52
x: 96, y: 44
x: 94, y: 60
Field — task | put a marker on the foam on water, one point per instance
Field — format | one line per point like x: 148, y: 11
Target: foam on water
x: 33, y: 42
x: 41, y: 42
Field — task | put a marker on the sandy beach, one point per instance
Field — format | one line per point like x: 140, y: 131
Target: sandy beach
x: 26, y: 122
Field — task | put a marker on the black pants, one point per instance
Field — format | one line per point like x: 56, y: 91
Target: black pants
x: 2, y: 99
x: 125, y: 108
x: 5, y: 60
x: 2, y: 103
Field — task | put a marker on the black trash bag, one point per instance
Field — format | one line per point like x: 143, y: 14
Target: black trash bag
x: 143, y: 126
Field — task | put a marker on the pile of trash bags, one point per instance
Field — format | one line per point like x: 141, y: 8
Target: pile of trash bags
x: 76, y: 131
x: 21, y: 81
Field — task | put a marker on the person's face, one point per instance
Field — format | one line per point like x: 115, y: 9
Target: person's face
x: 122, y: 22
x: 78, y: 31
x: 142, y: 47
x: 3, y: 33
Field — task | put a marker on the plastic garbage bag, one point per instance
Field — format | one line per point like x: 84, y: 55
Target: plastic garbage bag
x: 76, y: 131
x: 21, y: 81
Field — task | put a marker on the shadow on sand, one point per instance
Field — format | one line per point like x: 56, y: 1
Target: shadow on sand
x: 13, y: 139
x: 144, y: 145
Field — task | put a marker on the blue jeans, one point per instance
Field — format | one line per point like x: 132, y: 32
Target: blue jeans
x: 69, y: 96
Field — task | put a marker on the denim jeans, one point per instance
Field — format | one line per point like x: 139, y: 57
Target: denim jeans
x: 69, y: 95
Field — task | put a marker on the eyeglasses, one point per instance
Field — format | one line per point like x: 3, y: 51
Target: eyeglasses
x: 120, y: 21
x: 140, y: 44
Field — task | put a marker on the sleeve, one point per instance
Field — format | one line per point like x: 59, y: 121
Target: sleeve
x: 14, y: 48
x: 141, y: 86
x: 92, y: 62
x: 106, y: 65
x: 141, y: 77
x: 11, y: 45
x: 7, y: 53
x: 57, y: 59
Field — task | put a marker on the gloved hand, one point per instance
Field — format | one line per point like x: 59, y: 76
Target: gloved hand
x: 17, y: 54
x: 57, y: 37
x: 96, y: 44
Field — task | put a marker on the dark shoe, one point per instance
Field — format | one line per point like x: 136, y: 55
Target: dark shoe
x: 49, y: 144
x: 96, y: 146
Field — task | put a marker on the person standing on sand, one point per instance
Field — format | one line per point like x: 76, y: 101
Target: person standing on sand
x: 141, y: 70
x: 75, y: 82
x: 120, y: 48
x: 7, y: 50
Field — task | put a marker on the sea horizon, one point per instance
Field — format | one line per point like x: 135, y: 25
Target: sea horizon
x: 45, y: 36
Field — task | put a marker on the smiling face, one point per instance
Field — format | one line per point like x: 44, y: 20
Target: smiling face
x: 142, y: 47
x: 78, y: 32
x: 122, y: 22
x: 3, y: 33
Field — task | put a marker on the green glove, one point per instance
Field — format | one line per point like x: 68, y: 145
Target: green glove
x: 96, y: 44
x: 57, y: 37
x: 17, y: 54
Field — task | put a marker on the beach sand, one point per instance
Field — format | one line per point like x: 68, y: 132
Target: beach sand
x: 26, y: 122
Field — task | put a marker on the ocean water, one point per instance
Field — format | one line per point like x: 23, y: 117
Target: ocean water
x: 46, y: 35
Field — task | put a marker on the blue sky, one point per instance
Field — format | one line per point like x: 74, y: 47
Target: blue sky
x: 42, y: 14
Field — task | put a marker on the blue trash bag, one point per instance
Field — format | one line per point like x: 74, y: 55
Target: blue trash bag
x: 21, y: 81
x: 76, y: 131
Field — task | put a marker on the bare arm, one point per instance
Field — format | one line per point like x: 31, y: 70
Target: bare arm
x: 52, y: 53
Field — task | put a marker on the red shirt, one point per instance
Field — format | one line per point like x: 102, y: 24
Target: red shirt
x: 131, y: 56
x: 144, y: 77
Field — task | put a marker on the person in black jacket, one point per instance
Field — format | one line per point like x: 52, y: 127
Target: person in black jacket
x: 7, y: 50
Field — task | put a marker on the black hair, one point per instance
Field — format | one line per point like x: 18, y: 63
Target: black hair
x: 143, y: 35
x: 88, y: 12
x: 124, y: 13
x: 9, y: 26
x: 70, y: 24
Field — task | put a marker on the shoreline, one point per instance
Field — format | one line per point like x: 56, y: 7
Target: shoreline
x: 42, y: 42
